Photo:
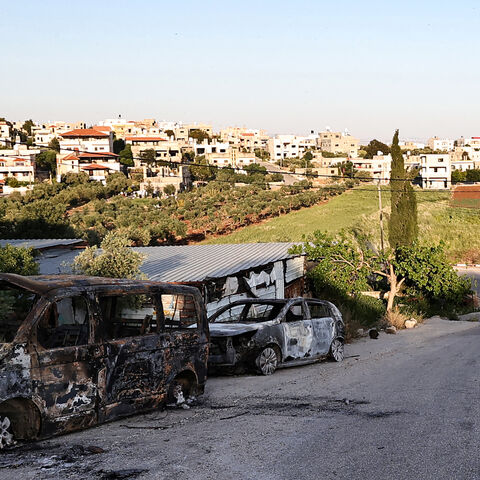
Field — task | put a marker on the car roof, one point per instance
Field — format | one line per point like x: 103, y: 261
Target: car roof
x: 43, y: 284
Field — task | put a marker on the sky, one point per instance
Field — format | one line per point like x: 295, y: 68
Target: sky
x: 285, y: 66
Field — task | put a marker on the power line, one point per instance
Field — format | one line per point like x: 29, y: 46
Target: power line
x: 264, y: 172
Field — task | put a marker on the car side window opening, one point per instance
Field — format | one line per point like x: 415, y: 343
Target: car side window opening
x: 15, y: 305
x: 129, y: 315
x: 261, y: 312
x: 319, y: 310
x: 179, y: 310
x: 294, y: 313
x: 65, y: 324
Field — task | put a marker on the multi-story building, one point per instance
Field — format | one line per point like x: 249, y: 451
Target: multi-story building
x: 5, y: 133
x: 411, y: 145
x: 435, y: 170
x: 247, y: 139
x: 97, y: 165
x: 205, y: 147
x: 23, y: 169
x: 441, y: 144
x: 86, y: 140
x: 338, y: 142
x: 165, y: 149
x: 287, y: 146
x: 379, y: 167
x: 231, y: 158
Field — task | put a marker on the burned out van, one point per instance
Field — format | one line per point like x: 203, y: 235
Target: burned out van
x: 78, y: 351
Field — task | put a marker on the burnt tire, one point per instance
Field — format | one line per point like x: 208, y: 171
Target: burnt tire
x: 267, y: 360
x: 337, y: 350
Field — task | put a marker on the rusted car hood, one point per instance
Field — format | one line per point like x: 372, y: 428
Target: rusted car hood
x: 232, y: 329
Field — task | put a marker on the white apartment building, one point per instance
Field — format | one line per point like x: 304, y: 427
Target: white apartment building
x: 213, y: 147
x: 22, y: 169
x: 380, y: 167
x: 86, y: 140
x: 247, y: 139
x: 97, y: 165
x: 4, y: 133
x: 443, y: 144
x: 287, y: 146
x: 435, y: 171
x: 473, y: 142
x: 43, y: 137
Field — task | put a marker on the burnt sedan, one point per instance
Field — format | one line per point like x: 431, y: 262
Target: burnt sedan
x: 268, y: 334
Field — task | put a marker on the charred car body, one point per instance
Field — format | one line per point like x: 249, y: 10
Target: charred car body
x: 268, y: 334
x: 78, y: 351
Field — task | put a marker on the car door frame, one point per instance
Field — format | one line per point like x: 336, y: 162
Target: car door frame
x: 298, y: 335
x: 65, y: 379
x: 323, y: 328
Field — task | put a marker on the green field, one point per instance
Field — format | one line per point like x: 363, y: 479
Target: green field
x: 459, y: 228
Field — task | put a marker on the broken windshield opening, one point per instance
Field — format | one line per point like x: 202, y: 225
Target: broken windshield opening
x: 15, y: 304
x: 255, y: 312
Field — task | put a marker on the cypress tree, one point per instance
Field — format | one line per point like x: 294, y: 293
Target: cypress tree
x: 402, y: 225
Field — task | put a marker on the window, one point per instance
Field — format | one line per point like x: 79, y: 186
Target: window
x: 295, y: 313
x: 15, y: 304
x: 259, y: 312
x: 129, y: 315
x: 318, y: 310
x: 179, y: 311
x: 65, y: 324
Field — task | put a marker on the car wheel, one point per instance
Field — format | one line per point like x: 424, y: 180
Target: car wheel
x: 337, y: 351
x: 267, y: 361
x: 6, y: 435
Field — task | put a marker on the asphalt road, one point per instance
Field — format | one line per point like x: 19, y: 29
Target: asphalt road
x: 404, y: 406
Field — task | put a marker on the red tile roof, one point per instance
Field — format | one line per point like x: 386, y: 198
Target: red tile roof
x: 102, y: 128
x: 71, y: 156
x: 247, y: 134
x: 84, y: 132
x: 94, y: 166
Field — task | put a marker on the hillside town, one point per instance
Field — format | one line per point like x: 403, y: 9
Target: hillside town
x: 157, y: 154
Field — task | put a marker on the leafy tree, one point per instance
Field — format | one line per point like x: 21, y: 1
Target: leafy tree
x: 148, y: 156
x: 473, y: 175
x: 402, y: 224
x: 119, y: 145
x: 115, y: 259
x: 363, y: 176
x: 54, y: 144
x: 262, y: 154
x: 346, y: 169
x: 126, y: 156
x: 374, y: 147
x: 201, y: 170
x: 169, y: 189
x: 427, y: 272
x: 308, y: 156
x: 458, y: 176
x: 27, y: 127
x: 47, y: 160
x: 198, y: 135
x: 170, y: 133
x: 71, y: 178
x: 17, y: 260
x: 12, y: 182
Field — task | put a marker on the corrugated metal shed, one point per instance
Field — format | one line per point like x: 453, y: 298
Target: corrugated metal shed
x: 195, y: 263
x: 40, y: 244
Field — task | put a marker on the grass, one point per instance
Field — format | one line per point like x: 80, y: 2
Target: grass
x: 338, y: 213
x: 358, y: 209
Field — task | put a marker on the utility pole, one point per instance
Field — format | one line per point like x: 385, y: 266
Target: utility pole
x: 381, y: 216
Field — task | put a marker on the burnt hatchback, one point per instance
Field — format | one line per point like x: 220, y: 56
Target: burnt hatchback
x: 268, y: 334
x: 78, y: 351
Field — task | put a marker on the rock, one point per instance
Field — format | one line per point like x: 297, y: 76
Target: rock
x: 391, y: 329
x: 360, y: 332
x: 410, y: 323
x: 373, y: 333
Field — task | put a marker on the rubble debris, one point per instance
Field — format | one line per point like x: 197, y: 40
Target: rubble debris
x: 373, y: 333
x: 391, y: 330
x: 410, y: 323
x: 6, y: 436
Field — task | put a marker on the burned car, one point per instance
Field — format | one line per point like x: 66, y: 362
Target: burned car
x: 268, y: 334
x: 78, y: 351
